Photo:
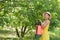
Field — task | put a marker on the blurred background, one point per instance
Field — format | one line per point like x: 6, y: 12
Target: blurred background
x: 17, y: 18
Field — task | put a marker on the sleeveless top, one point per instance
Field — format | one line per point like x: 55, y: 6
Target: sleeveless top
x: 39, y: 30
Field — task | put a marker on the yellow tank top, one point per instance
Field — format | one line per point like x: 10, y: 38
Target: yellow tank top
x: 45, y: 35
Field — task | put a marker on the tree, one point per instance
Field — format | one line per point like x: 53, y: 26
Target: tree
x: 24, y: 13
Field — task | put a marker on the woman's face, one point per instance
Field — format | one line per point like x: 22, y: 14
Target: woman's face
x: 46, y: 16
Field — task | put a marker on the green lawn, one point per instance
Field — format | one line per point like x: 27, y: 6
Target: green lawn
x: 10, y: 35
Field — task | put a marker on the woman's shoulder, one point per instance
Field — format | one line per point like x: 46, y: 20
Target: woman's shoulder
x: 48, y: 21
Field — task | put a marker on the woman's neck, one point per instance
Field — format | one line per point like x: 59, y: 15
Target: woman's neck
x: 46, y: 19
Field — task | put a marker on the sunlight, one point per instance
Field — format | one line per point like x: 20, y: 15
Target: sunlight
x: 59, y: 0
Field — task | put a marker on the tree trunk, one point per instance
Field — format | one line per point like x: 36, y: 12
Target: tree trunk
x: 17, y: 33
x: 23, y: 29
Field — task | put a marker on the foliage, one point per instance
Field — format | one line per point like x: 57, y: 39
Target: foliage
x: 23, y: 13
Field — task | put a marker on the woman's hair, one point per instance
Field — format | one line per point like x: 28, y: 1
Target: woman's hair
x: 47, y: 13
x: 38, y: 22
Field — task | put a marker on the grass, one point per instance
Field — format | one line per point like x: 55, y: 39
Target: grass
x: 54, y: 38
x: 55, y: 35
x: 10, y: 35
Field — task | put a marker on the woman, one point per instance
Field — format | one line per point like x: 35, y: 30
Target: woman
x: 45, y: 25
x: 38, y: 30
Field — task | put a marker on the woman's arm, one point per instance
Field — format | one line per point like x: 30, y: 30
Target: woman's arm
x: 45, y: 23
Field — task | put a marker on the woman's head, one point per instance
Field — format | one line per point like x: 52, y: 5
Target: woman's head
x: 38, y: 22
x: 46, y: 15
